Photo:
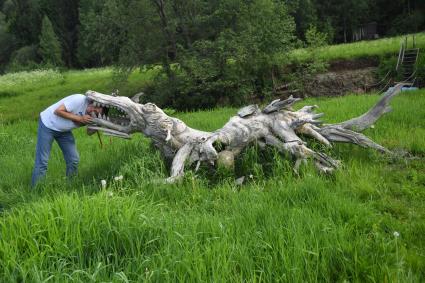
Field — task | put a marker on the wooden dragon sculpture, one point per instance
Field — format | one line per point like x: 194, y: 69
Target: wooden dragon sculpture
x: 276, y: 125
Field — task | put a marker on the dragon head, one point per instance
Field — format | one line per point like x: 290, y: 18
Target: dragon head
x: 121, y: 115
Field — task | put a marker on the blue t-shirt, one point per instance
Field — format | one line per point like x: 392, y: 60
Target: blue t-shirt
x: 76, y: 104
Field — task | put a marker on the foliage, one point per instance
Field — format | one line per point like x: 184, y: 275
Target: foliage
x: 24, y: 59
x: 340, y: 19
x: 301, y: 72
x: 237, y: 64
x: 315, y: 39
x: 7, y: 44
x: 96, y: 33
x: 413, y: 22
x: 23, y: 20
x: 64, y: 16
x: 50, y: 47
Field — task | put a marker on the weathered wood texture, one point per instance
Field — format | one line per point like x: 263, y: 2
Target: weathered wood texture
x: 277, y: 125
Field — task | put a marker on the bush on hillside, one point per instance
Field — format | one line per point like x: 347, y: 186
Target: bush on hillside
x: 24, y: 59
x: 300, y: 72
x: 186, y: 91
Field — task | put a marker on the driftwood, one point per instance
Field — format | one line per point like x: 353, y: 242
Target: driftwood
x: 276, y: 125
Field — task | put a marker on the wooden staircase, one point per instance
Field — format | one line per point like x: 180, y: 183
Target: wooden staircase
x: 405, y: 69
x: 406, y: 64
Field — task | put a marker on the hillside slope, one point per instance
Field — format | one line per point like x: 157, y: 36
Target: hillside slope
x: 349, y: 68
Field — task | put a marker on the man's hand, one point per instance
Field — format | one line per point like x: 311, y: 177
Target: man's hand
x: 86, y: 119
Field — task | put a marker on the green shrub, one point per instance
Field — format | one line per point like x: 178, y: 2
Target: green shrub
x: 186, y: 92
x: 24, y: 59
x: 300, y: 72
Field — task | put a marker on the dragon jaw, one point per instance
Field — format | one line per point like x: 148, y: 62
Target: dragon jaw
x: 119, y: 115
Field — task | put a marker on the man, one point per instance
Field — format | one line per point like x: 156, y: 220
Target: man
x: 56, y: 123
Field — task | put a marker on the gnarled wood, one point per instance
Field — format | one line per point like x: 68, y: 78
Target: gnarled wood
x: 277, y: 125
x: 364, y: 121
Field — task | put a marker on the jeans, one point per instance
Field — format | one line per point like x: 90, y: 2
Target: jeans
x: 66, y: 143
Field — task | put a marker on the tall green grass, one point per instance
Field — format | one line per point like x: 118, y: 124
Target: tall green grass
x: 18, y: 83
x: 359, y: 49
x: 278, y: 226
x: 23, y: 95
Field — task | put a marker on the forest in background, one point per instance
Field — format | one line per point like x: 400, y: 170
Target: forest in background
x: 209, y: 51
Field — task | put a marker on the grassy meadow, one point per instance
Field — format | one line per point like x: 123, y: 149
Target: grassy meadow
x: 365, y: 223
x: 23, y: 95
x: 360, y: 49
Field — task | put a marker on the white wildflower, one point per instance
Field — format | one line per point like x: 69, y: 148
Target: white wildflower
x: 27, y: 79
x: 118, y: 178
x: 103, y: 183
x: 110, y: 194
x: 396, y: 234
x: 251, y: 176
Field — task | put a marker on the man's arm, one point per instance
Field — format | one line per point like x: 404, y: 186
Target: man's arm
x: 62, y: 112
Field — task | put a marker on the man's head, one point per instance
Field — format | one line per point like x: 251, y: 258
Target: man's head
x: 119, y: 114
x: 94, y: 108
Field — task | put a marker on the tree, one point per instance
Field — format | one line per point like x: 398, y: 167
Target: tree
x: 23, y: 19
x: 64, y: 16
x: 49, y: 47
x: 234, y: 61
x: 7, y: 43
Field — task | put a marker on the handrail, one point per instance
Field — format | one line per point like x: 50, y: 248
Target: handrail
x: 400, y: 56
x: 410, y: 77
x: 380, y: 82
x: 385, y: 87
